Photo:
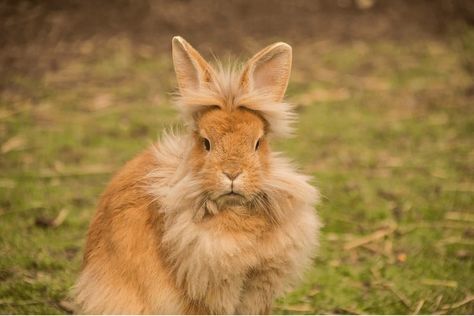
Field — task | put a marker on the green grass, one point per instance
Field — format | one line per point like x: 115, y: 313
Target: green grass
x: 386, y: 130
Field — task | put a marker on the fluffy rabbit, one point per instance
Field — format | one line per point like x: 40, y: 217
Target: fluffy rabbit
x: 213, y: 221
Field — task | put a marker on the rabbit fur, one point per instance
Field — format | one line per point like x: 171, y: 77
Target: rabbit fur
x: 211, y: 221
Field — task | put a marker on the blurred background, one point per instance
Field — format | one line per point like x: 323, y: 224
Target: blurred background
x: 385, y: 98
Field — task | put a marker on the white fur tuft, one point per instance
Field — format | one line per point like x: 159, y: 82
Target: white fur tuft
x: 225, y: 92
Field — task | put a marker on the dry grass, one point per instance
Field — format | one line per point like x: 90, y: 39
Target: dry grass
x: 386, y: 129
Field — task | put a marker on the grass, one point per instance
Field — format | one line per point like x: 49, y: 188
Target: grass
x: 386, y: 131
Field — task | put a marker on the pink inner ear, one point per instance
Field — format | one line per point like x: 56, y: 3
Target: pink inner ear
x: 268, y: 71
x: 267, y: 75
x: 191, y: 68
x: 187, y: 76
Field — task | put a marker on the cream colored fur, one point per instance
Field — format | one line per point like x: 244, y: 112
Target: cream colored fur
x: 167, y: 240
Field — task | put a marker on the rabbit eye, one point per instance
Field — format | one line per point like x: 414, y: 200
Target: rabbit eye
x: 257, y: 144
x: 206, y: 143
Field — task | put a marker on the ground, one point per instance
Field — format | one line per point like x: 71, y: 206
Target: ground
x: 385, y: 129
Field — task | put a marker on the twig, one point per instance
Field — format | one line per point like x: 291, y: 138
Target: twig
x: 465, y: 301
x: 458, y: 216
x: 409, y: 228
x: 60, y: 218
x: 399, y: 295
x: 369, y: 238
x: 418, y: 307
x: 446, y: 283
x: 438, y: 301
x: 55, y: 222
x: 67, y: 306
x: 347, y: 310
x: 301, y: 308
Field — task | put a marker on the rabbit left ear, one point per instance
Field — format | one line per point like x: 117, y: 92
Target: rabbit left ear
x: 268, y: 71
x: 192, y: 70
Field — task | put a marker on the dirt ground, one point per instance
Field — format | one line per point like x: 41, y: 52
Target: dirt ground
x: 37, y: 36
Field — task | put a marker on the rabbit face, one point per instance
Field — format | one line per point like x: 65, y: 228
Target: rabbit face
x: 230, y: 154
x: 230, y: 112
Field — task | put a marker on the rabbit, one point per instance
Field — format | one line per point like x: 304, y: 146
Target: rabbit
x: 210, y: 221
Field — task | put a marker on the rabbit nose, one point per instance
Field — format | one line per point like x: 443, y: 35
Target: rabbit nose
x: 232, y: 175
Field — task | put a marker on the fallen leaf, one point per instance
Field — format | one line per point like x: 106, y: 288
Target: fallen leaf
x: 67, y: 306
x: 402, y: 257
x: 15, y: 143
x: 100, y: 102
x: 52, y: 222
x: 462, y: 254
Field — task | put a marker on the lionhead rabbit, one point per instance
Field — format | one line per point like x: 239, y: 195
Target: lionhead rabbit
x: 212, y: 221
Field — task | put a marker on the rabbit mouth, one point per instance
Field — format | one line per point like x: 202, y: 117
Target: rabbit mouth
x: 232, y: 197
x: 232, y: 194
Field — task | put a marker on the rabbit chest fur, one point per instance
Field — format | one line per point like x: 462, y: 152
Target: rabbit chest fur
x: 212, y: 221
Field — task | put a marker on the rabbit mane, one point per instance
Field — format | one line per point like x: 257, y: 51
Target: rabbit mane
x: 201, y: 259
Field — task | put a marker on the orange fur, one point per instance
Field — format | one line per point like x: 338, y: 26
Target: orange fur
x: 210, y: 222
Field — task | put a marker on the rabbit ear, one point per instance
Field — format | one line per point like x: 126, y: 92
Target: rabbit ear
x: 269, y: 71
x: 192, y: 71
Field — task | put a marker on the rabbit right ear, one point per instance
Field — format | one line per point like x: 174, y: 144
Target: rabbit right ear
x: 192, y: 71
x: 268, y: 70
